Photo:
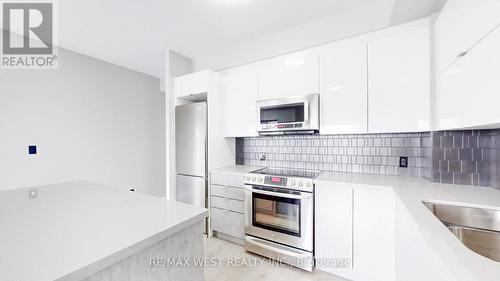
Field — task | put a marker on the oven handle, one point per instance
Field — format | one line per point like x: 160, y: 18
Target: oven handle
x: 278, y: 194
x: 258, y: 243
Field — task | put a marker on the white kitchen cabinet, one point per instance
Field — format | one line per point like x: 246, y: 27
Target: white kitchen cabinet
x: 357, y: 224
x: 374, y: 234
x: 415, y: 259
x: 240, y: 90
x: 226, y: 201
x: 468, y: 93
x: 461, y: 25
x: 334, y: 227
x: 289, y: 75
x: 399, y: 89
x: 343, y: 88
x: 228, y: 222
x: 192, y: 85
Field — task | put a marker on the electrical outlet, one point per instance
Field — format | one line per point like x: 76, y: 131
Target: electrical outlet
x: 263, y: 157
x: 403, y: 162
x: 32, y: 149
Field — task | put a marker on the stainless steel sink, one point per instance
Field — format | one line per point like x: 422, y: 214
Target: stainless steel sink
x: 477, y: 228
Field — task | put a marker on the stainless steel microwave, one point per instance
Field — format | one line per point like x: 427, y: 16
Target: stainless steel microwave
x: 294, y: 115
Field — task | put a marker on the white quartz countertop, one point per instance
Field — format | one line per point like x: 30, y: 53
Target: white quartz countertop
x: 72, y: 230
x: 237, y: 169
x: 463, y: 264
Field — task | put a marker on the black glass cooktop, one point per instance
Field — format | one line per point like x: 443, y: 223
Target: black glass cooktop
x: 288, y: 173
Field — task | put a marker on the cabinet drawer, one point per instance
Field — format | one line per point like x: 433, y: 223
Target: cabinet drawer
x: 228, y: 222
x: 227, y: 204
x: 237, y: 180
x: 228, y: 192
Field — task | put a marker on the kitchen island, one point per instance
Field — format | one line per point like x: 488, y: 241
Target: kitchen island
x: 86, y: 231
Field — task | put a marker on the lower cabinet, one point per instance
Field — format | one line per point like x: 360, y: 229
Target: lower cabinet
x: 227, y: 206
x: 419, y: 263
x: 334, y: 228
x: 232, y: 192
x: 374, y: 234
x: 355, y: 231
x: 228, y: 222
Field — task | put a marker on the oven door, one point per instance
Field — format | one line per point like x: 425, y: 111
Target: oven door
x: 280, y: 215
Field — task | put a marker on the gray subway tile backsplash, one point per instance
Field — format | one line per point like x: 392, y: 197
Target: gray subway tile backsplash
x: 465, y: 157
x: 369, y: 153
x: 469, y: 157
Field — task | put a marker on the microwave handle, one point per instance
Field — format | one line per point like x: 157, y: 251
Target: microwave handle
x: 279, y: 194
x: 306, y: 111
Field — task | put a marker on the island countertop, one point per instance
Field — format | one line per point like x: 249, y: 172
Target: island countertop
x: 71, y: 230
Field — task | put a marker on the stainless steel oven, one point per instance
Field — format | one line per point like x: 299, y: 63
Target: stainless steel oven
x: 279, y: 216
x: 283, y: 216
x: 294, y: 115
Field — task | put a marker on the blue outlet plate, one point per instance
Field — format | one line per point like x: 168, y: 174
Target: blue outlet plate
x: 32, y: 149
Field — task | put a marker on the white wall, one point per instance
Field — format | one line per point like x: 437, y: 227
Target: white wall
x: 90, y: 119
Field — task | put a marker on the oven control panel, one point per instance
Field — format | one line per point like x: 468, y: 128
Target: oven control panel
x: 278, y: 181
x: 301, y: 184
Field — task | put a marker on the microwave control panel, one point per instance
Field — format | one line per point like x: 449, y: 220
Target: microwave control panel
x: 281, y: 126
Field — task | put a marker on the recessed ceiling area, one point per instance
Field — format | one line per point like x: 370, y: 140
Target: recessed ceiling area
x: 219, y: 34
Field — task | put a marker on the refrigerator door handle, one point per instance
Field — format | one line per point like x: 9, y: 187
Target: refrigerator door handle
x: 206, y: 157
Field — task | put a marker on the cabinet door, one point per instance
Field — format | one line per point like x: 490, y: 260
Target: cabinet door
x: 228, y: 179
x: 343, y: 88
x: 228, y: 222
x: 399, y: 79
x: 415, y: 259
x: 334, y: 226
x: 468, y: 92
x: 374, y: 234
x: 240, y: 88
x: 191, y: 84
x: 461, y: 25
x: 289, y: 75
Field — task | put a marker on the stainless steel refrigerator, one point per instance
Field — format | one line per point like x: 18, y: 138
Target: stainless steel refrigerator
x: 191, y: 153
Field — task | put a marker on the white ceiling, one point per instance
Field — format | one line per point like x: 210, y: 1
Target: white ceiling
x: 219, y: 33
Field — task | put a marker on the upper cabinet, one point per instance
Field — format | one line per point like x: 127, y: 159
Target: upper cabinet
x: 461, y: 25
x: 240, y: 89
x: 289, y: 75
x: 343, y: 87
x: 192, y: 85
x: 206, y: 85
x: 376, y: 83
x: 399, y: 77
x: 468, y: 92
